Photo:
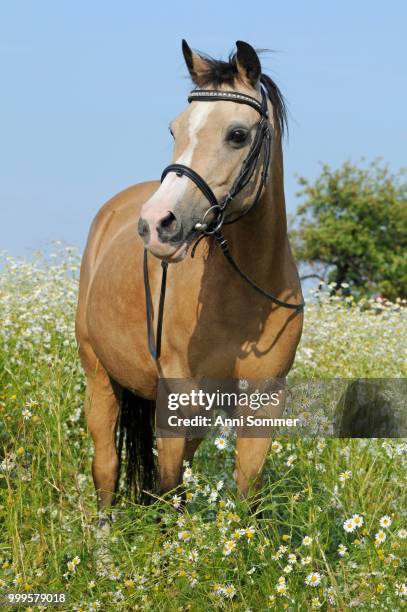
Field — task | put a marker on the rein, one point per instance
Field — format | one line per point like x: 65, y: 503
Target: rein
x: 207, y: 227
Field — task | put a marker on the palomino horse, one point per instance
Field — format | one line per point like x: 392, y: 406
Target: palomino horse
x: 218, y: 324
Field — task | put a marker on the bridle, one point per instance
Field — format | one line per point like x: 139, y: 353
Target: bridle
x: 213, y: 227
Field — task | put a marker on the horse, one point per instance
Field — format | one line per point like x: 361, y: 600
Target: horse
x: 225, y: 189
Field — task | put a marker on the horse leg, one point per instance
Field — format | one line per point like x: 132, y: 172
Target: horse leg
x: 102, y: 407
x: 170, y: 457
x: 251, y: 454
x: 190, y: 449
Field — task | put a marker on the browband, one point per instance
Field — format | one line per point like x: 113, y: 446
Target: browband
x: 214, y: 95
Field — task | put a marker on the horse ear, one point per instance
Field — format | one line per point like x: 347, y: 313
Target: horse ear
x: 248, y: 63
x: 196, y: 64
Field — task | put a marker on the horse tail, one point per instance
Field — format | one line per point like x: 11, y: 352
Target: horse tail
x: 136, y: 435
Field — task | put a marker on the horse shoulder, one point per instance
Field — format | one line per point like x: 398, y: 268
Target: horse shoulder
x: 108, y: 222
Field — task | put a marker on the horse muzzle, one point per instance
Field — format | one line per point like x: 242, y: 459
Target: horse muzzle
x: 163, y: 236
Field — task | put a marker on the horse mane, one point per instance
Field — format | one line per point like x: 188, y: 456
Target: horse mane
x: 219, y: 72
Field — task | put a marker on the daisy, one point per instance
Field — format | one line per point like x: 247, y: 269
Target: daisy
x: 71, y: 566
x: 380, y: 536
x: 213, y: 496
x: 313, y: 579
x: 315, y: 603
x: 176, y: 501
x: 220, y: 443
x: 276, y: 446
x: 307, y: 541
x: 349, y: 525
x: 402, y: 534
x: 184, y: 536
x: 281, y: 587
x: 401, y: 590
x: 385, y: 521
x: 218, y: 589
x: 358, y: 520
x: 229, y: 591
x: 187, y: 474
x: 193, y: 556
x: 115, y: 574
x: 228, y: 547
x: 290, y: 460
x: 342, y: 550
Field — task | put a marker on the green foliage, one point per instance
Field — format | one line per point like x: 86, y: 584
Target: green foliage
x: 354, y: 220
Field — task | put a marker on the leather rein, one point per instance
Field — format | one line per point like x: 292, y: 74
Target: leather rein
x: 217, y: 209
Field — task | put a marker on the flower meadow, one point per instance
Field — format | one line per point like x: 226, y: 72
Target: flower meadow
x: 327, y: 530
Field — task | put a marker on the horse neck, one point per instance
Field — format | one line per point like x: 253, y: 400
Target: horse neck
x: 261, y: 236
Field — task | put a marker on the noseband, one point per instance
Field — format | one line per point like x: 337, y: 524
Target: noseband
x: 217, y: 209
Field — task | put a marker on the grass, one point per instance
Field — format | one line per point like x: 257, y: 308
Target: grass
x: 214, y: 553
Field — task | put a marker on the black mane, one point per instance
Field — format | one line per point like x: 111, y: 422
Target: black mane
x: 220, y: 72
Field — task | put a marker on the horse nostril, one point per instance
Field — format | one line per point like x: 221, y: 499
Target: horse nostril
x: 169, y: 228
x: 168, y: 223
x: 143, y: 229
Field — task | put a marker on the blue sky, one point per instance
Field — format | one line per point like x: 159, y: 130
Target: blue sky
x: 88, y: 89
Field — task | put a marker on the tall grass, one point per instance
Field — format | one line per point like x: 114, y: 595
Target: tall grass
x: 332, y: 530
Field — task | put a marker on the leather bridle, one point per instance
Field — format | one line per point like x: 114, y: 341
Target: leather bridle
x: 217, y: 209
x: 262, y: 140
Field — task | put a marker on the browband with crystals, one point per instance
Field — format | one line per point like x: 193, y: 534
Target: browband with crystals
x: 209, y: 95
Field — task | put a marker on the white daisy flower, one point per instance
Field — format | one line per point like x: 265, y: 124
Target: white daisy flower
x: 187, y: 474
x: 358, y: 520
x: 229, y: 591
x: 401, y: 590
x: 313, y: 579
x: 276, y: 446
x: 176, y: 501
x: 385, y: 521
x: 220, y: 443
x: 380, y: 536
x: 342, y: 550
x: 228, y: 547
x: 349, y: 525
x: 290, y: 460
x: 306, y: 560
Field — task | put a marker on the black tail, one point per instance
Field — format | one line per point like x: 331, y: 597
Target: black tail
x: 136, y: 433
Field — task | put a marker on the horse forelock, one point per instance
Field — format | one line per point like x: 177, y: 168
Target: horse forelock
x: 220, y: 72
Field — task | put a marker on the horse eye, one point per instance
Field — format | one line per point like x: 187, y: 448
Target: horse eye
x: 237, y: 136
x: 171, y: 132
